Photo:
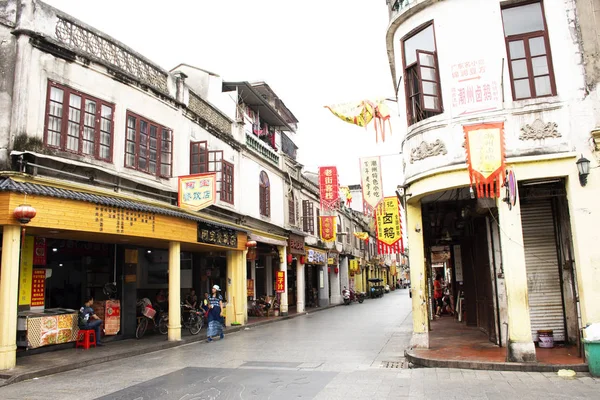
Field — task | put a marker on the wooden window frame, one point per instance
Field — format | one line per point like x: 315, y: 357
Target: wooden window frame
x: 525, y: 37
x: 406, y: 69
x: 264, y: 195
x: 227, y: 185
x: 318, y: 223
x: 308, y: 217
x: 160, y: 128
x: 291, y: 208
x: 201, y: 166
x: 64, y: 125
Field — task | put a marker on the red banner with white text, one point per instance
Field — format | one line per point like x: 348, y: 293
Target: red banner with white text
x: 329, y: 188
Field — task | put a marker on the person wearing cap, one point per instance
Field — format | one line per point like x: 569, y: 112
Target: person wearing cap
x: 215, y: 314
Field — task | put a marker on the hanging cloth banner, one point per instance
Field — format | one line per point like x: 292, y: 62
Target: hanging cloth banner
x: 347, y: 195
x: 372, y: 187
x: 362, y: 235
x: 362, y: 112
x: 329, y: 188
x: 485, y: 157
x: 388, y: 227
x: 328, y: 228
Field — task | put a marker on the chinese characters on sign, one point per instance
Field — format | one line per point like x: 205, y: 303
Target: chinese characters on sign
x: 38, y: 288
x: 296, y: 244
x: 39, y: 251
x: 389, y: 229
x: 250, y: 287
x: 197, y: 191
x: 372, y: 188
x: 213, y: 234
x: 353, y: 267
x: 475, y: 87
x: 280, y: 282
x: 316, y: 257
x: 328, y: 228
x: 26, y: 271
x: 333, y: 258
x: 329, y: 187
x: 485, y: 157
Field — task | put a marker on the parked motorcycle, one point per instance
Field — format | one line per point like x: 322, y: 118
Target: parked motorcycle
x: 349, y: 296
x: 346, y: 296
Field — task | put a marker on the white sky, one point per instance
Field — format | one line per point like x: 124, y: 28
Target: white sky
x: 311, y: 52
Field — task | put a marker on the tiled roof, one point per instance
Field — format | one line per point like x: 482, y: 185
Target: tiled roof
x: 10, y: 185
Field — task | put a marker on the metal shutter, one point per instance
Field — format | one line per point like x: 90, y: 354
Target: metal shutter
x: 543, y: 279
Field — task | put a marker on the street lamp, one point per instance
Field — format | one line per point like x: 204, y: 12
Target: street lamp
x: 583, y: 166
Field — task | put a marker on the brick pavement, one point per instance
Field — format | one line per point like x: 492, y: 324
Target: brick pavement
x: 335, y: 354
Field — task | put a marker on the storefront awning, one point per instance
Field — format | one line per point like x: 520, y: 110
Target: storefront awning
x: 10, y: 185
x: 267, y: 240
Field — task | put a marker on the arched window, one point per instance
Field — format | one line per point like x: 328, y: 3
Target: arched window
x: 291, y: 208
x: 265, y: 195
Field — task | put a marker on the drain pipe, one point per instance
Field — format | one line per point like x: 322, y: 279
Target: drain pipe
x: 506, y: 323
x: 495, y: 283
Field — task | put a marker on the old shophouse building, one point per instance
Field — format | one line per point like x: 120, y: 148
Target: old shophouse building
x: 531, y: 67
x: 94, y: 136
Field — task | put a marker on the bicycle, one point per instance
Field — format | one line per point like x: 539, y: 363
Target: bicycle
x: 194, y: 321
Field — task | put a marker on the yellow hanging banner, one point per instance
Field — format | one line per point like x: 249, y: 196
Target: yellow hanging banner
x: 388, y: 221
x: 26, y: 271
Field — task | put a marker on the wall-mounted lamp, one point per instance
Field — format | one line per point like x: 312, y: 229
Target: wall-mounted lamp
x: 583, y: 166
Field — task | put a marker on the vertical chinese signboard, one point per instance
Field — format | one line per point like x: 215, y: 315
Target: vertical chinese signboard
x: 389, y: 230
x: 26, y: 271
x: 250, y: 288
x: 372, y: 188
x: 39, y: 252
x: 38, y: 288
x: 485, y: 157
x: 280, y: 282
x: 197, y: 191
x: 328, y: 228
x: 329, y: 187
x: 475, y: 87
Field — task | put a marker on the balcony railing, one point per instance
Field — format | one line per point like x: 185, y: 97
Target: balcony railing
x: 288, y: 146
x: 261, y: 149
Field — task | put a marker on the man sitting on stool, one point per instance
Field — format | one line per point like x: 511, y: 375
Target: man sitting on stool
x: 89, y: 320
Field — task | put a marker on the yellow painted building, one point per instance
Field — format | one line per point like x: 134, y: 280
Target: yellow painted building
x: 72, y: 213
x: 521, y: 263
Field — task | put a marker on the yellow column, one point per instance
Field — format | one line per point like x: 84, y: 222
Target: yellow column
x: 418, y: 276
x: 9, y: 288
x: 283, y: 300
x: 174, y: 292
x: 236, y: 288
x: 520, y: 341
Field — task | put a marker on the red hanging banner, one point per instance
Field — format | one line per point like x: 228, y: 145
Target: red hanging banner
x: 39, y: 251
x: 486, y: 157
x: 329, y: 188
x: 280, y: 282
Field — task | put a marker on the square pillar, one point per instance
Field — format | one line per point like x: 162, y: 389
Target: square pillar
x: 174, y: 333
x: 322, y: 271
x: 237, y: 304
x: 283, y: 297
x: 336, y: 291
x: 300, y: 287
x: 344, y: 273
x: 418, y: 277
x: 520, y: 341
x: 9, y: 293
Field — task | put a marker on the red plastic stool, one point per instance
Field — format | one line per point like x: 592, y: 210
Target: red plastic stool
x: 86, y: 338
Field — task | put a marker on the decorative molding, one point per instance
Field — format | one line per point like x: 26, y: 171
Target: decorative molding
x: 426, y: 150
x: 88, y: 42
x: 205, y: 111
x: 539, y: 131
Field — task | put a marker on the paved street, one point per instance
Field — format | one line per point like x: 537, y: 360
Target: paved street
x: 342, y: 353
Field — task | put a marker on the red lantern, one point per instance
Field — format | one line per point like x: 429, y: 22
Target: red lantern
x: 302, y: 259
x: 336, y: 270
x: 290, y: 258
x: 250, y: 243
x: 24, y: 213
x: 328, y: 270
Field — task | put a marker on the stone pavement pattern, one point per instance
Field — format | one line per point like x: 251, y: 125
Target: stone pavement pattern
x: 349, y: 352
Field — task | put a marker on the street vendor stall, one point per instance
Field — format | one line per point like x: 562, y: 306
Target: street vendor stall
x: 51, y: 326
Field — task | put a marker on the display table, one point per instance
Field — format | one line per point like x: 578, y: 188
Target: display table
x: 43, y: 328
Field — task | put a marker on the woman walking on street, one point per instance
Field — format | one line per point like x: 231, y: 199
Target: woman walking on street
x: 215, y: 314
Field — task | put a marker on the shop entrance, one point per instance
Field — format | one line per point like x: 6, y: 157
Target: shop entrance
x: 458, y: 239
